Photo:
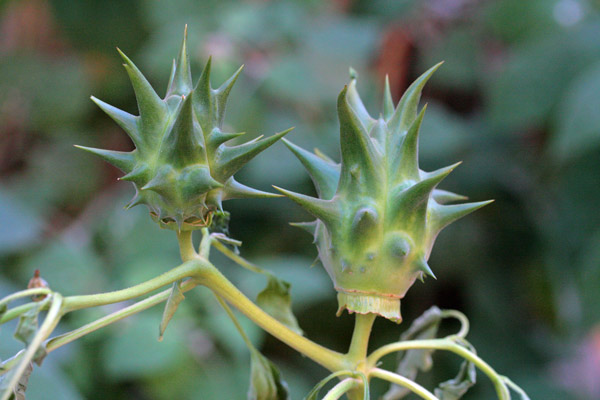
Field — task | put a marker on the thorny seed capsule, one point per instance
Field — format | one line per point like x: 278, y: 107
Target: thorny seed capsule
x: 181, y: 167
x: 377, y: 204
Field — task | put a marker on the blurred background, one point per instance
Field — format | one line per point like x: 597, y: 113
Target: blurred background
x: 518, y: 100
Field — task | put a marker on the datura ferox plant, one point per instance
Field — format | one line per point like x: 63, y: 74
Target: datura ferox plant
x: 377, y: 217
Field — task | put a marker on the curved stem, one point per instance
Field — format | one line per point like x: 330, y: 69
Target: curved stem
x: 68, y: 337
x: 215, y: 281
x: 402, y: 381
x: 183, y: 271
x: 516, y: 388
x: 18, y: 311
x: 443, y: 344
x: 360, y: 338
x: 462, y: 318
x: 45, y: 330
x: 24, y: 293
x: 342, y: 387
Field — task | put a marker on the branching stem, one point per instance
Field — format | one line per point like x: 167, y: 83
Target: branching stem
x: 158, y: 298
x: 214, y: 280
x: 183, y: 271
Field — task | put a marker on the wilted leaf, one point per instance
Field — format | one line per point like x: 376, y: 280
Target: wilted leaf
x: 455, y: 388
x: 265, y: 380
x: 28, y: 324
x: 275, y: 299
x: 18, y: 392
x: 173, y: 301
x: 415, y: 360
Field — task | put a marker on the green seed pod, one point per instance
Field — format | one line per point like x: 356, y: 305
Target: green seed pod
x: 181, y: 167
x: 377, y: 213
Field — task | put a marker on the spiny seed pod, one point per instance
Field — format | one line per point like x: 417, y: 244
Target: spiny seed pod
x: 377, y: 213
x: 181, y: 167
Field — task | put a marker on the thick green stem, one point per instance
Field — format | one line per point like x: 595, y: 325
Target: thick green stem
x: 360, y: 338
x: 186, y: 246
x: 342, y: 387
x: 183, y: 271
x: 443, y: 344
x: 402, y: 381
x: 214, y: 280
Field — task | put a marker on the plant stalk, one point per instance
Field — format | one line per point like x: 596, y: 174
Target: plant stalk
x: 185, y: 270
x: 215, y: 281
x: 342, y: 387
x: 443, y: 344
x: 402, y: 381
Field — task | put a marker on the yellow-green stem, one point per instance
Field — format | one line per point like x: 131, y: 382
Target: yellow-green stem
x: 183, y: 271
x: 214, y: 280
x: 360, y: 339
x: 186, y: 246
x: 68, y: 337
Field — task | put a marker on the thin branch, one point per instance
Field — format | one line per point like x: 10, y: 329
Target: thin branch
x: 45, y: 330
x: 444, y: 344
x: 342, y: 387
x: 402, y: 381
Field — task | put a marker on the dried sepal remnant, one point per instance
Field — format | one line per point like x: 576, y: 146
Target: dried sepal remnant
x: 378, y: 214
x: 181, y: 168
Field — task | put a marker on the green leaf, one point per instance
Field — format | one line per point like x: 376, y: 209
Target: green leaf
x: 28, y: 324
x: 455, y: 388
x: 276, y: 301
x: 415, y: 360
x: 173, y: 301
x: 265, y: 379
x: 578, y: 127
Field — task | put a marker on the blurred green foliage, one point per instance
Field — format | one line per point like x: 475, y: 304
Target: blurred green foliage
x: 517, y: 100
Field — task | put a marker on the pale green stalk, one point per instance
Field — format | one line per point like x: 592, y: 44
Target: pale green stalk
x: 236, y: 258
x: 183, y: 271
x: 24, y: 293
x: 462, y: 318
x: 43, y: 332
x: 360, y: 339
x: 341, y: 388
x: 151, y: 301
x: 402, y: 381
x: 443, y: 344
